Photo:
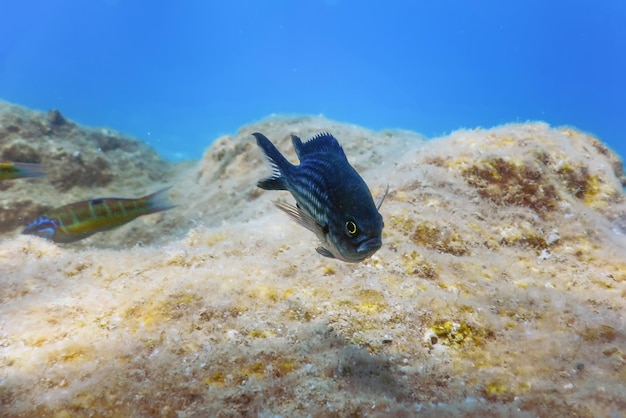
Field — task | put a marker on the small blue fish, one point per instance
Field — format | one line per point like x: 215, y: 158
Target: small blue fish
x: 332, y: 199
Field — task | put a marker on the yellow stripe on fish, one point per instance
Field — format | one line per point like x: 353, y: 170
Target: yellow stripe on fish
x: 79, y: 220
x: 10, y: 170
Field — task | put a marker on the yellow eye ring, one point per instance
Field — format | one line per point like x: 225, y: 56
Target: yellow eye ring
x: 351, y: 228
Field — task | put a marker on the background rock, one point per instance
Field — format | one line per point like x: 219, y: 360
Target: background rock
x: 499, y: 291
x: 80, y: 163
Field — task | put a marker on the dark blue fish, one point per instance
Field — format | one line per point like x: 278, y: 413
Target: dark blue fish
x: 332, y: 199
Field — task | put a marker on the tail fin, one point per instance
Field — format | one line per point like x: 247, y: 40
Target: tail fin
x: 277, y: 160
x: 158, y: 201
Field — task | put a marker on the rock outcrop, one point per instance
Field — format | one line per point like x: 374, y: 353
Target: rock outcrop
x: 500, y: 289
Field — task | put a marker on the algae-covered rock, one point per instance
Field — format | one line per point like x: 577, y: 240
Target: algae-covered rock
x: 499, y: 290
x: 80, y: 163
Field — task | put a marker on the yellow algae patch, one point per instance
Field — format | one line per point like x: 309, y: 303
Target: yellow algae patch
x: 455, y: 287
x: 439, y: 238
x: 327, y: 270
x: 457, y: 334
x: 215, y: 238
x: 260, y: 333
x: 269, y: 293
x: 523, y: 236
x: 497, y: 390
x: 415, y: 263
x: 155, y: 312
x: 216, y: 378
x: 496, y: 141
x: 299, y: 313
x: 69, y: 352
x: 77, y: 268
x: 373, y: 262
x: 64, y: 413
x: 402, y: 223
x: 606, y: 281
x: 369, y: 301
x: 281, y: 249
x: 148, y: 314
x: 256, y: 369
x: 182, y: 258
x: 582, y: 184
x: 366, y: 301
x: 284, y: 367
x: 324, y: 293
x: 262, y: 366
x: 602, y: 333
x: 619, y: 272
x: 582, y: 248
x: 522, y: 314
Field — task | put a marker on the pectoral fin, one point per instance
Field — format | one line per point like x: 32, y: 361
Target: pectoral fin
x: 301, y: 217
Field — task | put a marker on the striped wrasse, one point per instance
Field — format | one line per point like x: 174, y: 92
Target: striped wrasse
x: 10, y: 170
x: 79, y: 220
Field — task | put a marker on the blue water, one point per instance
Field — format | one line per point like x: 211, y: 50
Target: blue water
x: 177, y: 74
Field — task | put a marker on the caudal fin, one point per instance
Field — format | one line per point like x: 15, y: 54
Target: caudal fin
x: 277, y: 160
x: 158, y: 201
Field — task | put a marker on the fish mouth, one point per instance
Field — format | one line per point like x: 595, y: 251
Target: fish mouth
x: 369, y: 246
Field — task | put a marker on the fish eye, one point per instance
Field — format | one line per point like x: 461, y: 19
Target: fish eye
x: 351, y: 228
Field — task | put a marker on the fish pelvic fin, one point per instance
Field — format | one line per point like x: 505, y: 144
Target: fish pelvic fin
x: 158, y: 201
x: 322, y: 142
x: 278, y: 162
x: 323, y: 251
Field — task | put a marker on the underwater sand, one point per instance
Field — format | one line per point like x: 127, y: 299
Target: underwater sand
x: 500, y: 289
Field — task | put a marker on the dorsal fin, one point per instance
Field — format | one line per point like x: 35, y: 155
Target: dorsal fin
x: 322, y: 142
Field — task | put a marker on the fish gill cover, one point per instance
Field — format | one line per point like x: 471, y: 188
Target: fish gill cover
x: 499, y: 290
